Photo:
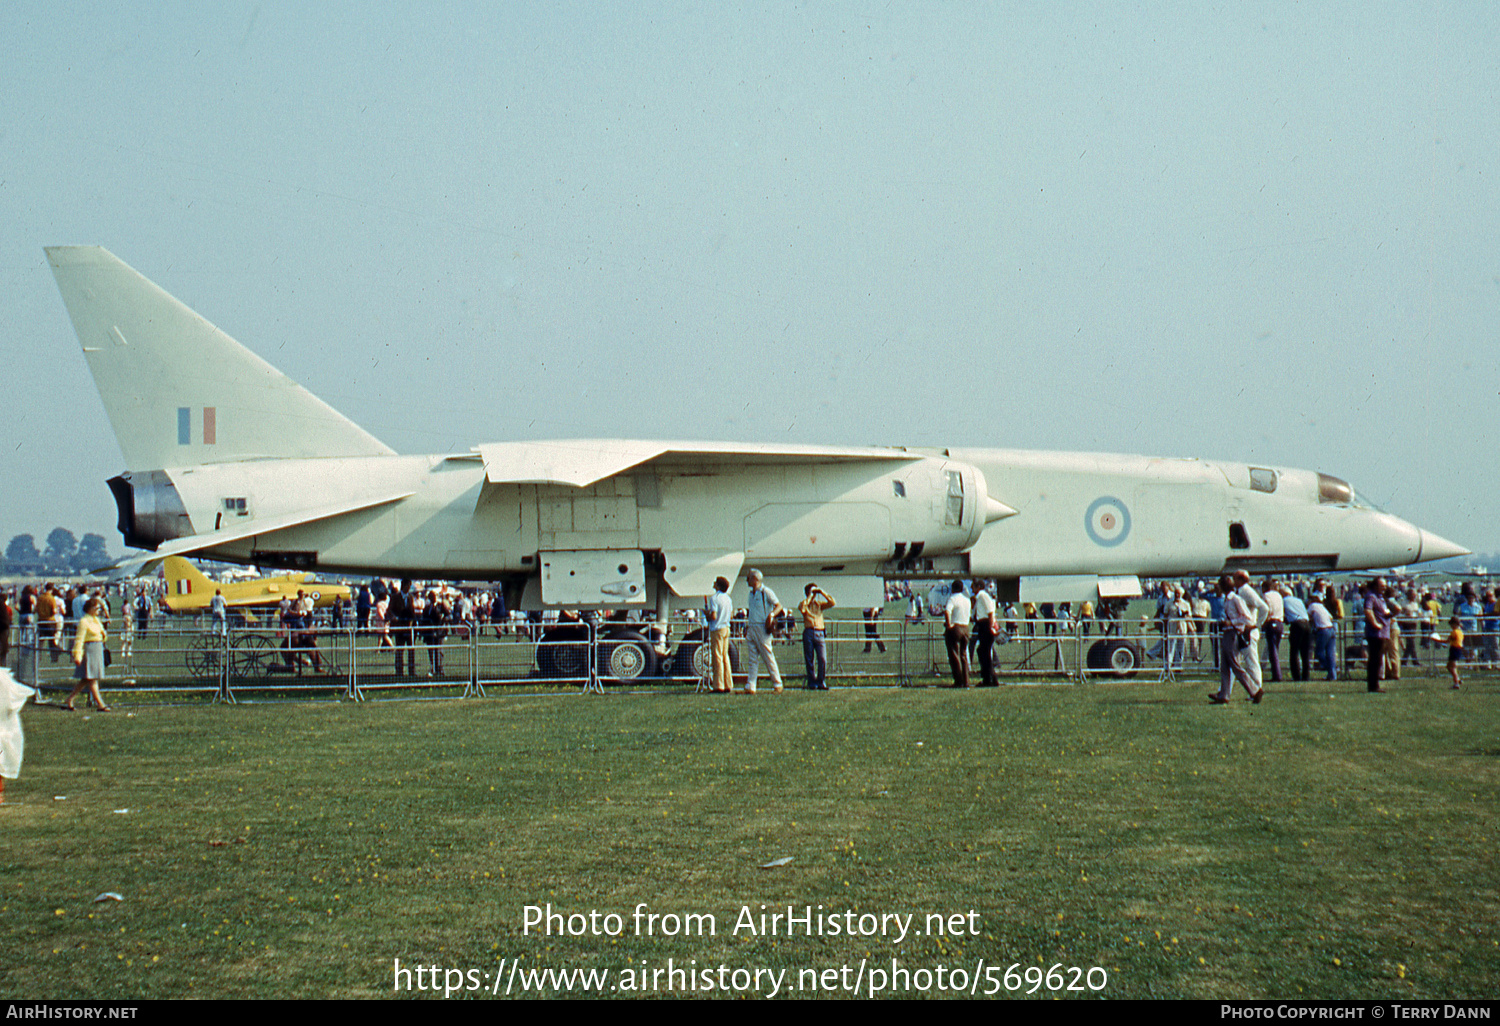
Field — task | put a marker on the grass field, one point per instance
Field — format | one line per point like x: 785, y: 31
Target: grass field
x: 1323, y: 844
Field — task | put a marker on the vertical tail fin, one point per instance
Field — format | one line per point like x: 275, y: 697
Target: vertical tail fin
x: 179, y: 391
x: 183, y: 578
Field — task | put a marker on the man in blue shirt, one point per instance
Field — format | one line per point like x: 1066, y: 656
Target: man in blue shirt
x: 1216, y: 617
x: 718, y: 611
x: 1468, y: 609
x: 1299, y: 634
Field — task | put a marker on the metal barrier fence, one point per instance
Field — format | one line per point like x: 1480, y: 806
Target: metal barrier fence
x: 462, y: 658
x: 465, y: 659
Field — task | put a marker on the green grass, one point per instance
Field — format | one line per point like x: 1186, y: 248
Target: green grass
x: 1323, y: 844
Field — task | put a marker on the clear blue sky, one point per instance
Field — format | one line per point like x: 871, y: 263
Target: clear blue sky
x: 1266, y: 233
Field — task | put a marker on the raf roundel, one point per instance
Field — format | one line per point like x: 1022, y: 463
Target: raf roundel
x: 1107, y: 521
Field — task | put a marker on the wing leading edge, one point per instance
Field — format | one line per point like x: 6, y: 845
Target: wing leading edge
x: 581, y: 462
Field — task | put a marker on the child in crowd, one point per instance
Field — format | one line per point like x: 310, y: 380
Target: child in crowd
x: 1455, y: 649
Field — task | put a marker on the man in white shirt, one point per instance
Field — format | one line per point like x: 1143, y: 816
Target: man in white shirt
x: 764, y: 608
x: 1235, y: 650
x: 1203, y: 626
x: 1256, y: 606
x: 986, y: 628
x: 956, y: 634
x: 1274, y: 626
x: 1175, y: 625
x: 1324, y: 635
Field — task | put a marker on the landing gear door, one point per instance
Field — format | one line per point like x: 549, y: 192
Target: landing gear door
x: 691, y: 572
x: 593, y: 577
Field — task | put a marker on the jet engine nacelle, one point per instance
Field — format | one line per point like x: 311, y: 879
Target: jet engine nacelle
x: 150, y: 509
x: 958, y: 505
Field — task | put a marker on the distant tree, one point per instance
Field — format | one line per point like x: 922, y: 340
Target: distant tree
x: 61, y: 547
x: 21, y: 555
x: 92, y: 554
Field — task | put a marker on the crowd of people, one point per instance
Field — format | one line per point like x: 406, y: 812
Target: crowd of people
x: 1394, y: 624
x: 1194, y: 620
x: 66, y: 623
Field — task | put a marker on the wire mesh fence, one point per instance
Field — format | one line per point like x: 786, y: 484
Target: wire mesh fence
x: 186, y: 660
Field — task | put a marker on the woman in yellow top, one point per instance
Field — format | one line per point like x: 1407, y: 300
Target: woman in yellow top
x: 88, y: 654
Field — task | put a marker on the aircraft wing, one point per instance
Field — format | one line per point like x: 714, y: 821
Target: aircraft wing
x: 146, y: 562
x: 584, y: 461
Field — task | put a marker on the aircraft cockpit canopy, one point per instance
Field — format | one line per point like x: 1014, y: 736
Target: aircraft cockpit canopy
x: 1338, y: 492
x: 1331, y: 489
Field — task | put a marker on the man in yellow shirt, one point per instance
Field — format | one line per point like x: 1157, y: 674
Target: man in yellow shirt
x: 46, y: 606
x: 814, y: 636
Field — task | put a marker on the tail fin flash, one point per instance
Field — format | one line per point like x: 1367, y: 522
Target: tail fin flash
x: 179, y: 391
x: 183, y: 578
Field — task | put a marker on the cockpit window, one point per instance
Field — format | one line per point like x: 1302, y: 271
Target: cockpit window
x: 1331, y: 489
x: 1339, y: 492
x: 1262, y: 480
x: 955, y: 510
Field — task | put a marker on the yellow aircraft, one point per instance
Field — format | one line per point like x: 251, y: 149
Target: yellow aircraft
x: 188, y: 590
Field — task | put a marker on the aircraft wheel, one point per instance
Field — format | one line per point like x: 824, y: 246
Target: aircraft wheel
x: 1121, y: 658
x: 203, y: 656
x: 694, y: 656
x: 626, y: 656
x: 563, y: 651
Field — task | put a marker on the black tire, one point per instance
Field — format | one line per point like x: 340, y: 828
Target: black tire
x: 563, y: 652
x: 625, y: 657
x: 1120, y: 658
x: 694, y: 657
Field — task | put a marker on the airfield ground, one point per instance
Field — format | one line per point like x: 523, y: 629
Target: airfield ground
x: 1326, y: 843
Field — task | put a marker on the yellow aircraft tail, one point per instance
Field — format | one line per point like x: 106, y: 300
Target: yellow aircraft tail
x: 184, y: 580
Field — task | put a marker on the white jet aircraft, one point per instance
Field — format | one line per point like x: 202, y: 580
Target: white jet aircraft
x: 229, y: 458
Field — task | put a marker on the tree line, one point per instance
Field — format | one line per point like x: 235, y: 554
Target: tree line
x: 63, y: 554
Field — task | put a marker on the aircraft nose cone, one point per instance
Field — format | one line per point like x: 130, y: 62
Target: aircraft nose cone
x: 1435, y: 547
x: 994, y: 510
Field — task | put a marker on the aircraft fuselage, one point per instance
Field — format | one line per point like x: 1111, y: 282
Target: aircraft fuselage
x: 918, y: 514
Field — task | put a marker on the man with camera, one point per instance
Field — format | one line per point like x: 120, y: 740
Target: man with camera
x: 760, y: 626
